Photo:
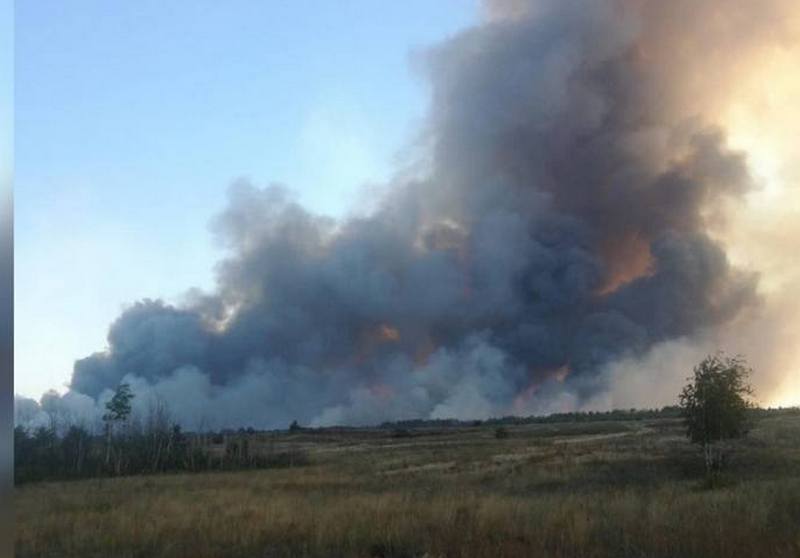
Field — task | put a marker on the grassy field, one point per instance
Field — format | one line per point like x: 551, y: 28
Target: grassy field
x: 621, y: 489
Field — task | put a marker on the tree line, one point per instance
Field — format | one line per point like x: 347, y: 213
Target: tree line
x: 129, y: 445
x: 715, y: 406
x: 672, y: 411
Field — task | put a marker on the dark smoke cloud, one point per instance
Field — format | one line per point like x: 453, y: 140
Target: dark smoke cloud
x: 558, y: 224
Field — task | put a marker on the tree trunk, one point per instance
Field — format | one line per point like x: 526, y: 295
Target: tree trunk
x: 714, y: 461
x: 79, y: 460
x: 108, y: 444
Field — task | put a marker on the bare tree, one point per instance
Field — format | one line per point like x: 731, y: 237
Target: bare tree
x: 159, y: 432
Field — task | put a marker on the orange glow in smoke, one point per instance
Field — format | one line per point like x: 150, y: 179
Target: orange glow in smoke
x: 559, y: 375
x: 374, y: 338
x: 627, y: 261
x: 387, y: 333
x: 424, y: 351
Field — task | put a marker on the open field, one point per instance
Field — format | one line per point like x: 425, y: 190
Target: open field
x: 622, y: 489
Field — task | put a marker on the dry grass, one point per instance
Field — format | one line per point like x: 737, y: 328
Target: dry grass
x: 621, y: 490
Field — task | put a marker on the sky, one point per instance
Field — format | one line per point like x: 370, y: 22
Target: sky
x: 132, y: 120
x: 6, y: 242
x: 6, y: 95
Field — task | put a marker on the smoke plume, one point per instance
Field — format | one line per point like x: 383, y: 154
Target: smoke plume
x: 558, y: 243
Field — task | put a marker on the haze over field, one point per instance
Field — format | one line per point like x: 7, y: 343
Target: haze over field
x: 604, y: 192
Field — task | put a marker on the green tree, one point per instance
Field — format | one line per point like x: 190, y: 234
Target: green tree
x: 715, y: 403
x: 119, y: 407
x: 118, y: 410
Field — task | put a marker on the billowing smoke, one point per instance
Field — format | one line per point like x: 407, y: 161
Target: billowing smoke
x: 557, y: 232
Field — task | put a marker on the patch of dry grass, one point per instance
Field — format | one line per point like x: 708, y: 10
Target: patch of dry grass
x: 636, y: 494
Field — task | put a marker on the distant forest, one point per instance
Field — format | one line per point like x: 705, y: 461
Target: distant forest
x: 157, y: 445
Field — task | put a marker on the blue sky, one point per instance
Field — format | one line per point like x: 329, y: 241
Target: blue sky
x: 132, y: 118
x: 6, y: 94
